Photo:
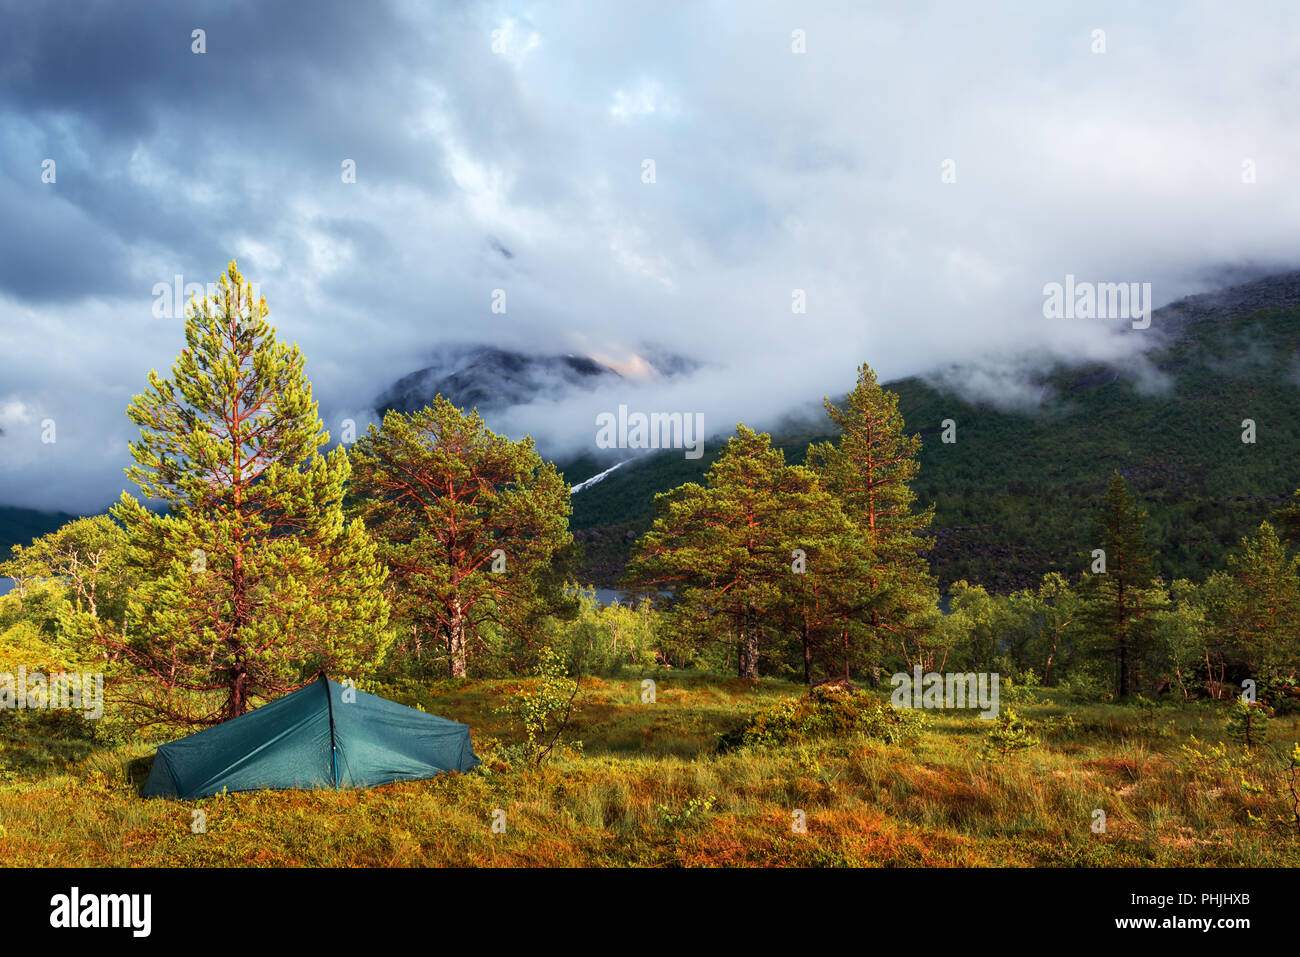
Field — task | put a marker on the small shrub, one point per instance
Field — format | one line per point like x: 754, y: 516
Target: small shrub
x: 1248, y: 723
x: 1064, y: 725
x: 543, y: 711
x: 693, y: 812
x: 1010, y: 733
x: 1025, y: 689
x: 1210, y: 763
x: 1084, y: 687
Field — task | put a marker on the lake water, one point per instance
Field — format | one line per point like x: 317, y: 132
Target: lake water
x: 608, y: 596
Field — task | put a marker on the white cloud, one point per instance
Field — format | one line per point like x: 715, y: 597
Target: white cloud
x: 645, y: 99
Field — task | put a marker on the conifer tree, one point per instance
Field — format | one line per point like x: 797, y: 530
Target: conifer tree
x: 869, y: 471
x: 726, y: 547
x: 251, y: 582
x: 1122, y: 598
x: 821, y: 599
x: 1248, y: 723
x: 826, y: 568
x: 468, y: 521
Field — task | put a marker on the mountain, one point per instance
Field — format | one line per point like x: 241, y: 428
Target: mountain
x: 492, y: 379
x: 1018, y: 493
x: 18, y: 526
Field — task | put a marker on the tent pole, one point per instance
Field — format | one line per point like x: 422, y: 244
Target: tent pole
x: 334, y: 751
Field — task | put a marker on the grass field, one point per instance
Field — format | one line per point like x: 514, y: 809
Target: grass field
x: 650, y: 787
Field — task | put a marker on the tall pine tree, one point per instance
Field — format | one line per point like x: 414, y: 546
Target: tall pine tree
x: 251, y: 581
x: 1287, y: 520
x: 869, y: 470
x: 1122, y: 599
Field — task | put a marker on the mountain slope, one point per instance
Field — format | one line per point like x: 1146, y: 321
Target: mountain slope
x: 18, y: 526
x: 1017, y: 494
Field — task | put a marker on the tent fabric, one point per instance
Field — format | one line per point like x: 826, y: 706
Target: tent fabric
x: 312, y: 738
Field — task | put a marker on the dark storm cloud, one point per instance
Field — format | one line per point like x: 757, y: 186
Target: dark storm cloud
x: 50, y: 249
x: 126, y: 68
x: 281, y: 96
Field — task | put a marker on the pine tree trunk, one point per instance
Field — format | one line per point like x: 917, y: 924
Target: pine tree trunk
x: 749, y: 655
x: 456, y: 640
x: 748, y: 649
x: 807, y: 655
x: 1123, y: 644
x: 237, y: 695
x: 1123, y: 666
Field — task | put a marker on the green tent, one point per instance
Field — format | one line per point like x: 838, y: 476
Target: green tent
x: 321, y: 736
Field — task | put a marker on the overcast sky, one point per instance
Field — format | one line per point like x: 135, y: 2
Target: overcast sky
x: 503, y: 145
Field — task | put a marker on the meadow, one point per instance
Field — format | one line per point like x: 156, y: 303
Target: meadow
x: 671, y: 784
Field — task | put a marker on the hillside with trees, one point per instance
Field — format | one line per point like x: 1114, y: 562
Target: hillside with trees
x: 1013, y: 494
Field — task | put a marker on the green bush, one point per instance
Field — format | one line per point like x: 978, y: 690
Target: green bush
x: 828, y: 711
